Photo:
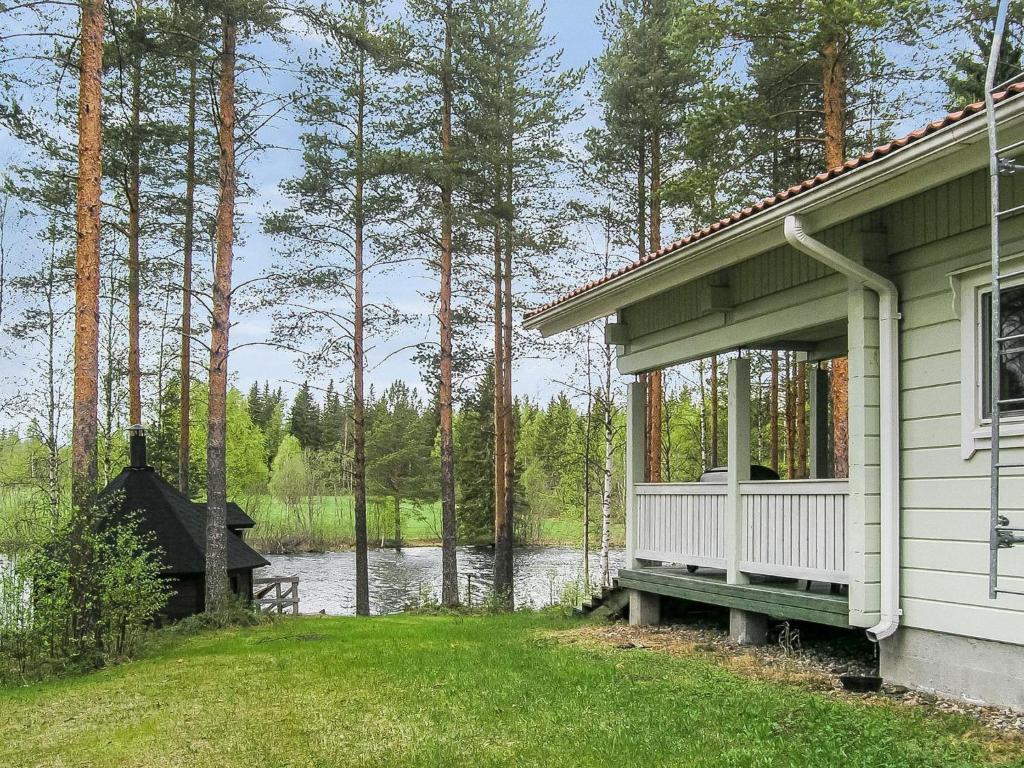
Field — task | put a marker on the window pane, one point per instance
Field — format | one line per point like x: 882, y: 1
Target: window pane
x: 1011, y: 369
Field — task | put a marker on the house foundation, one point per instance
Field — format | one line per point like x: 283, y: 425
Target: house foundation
x: 966, y: 668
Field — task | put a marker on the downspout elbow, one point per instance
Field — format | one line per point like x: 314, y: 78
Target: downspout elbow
x: 888, y: 328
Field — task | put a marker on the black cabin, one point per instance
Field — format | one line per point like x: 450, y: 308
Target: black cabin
x: 178, y: 527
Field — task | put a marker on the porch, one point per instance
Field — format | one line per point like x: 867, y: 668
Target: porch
x: 774, y: 548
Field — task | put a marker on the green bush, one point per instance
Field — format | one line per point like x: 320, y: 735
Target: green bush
x: 80, y: 599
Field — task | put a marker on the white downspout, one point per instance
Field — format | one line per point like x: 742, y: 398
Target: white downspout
x: 889, y: 394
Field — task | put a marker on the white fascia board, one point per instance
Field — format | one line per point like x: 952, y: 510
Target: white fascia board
x: 948, y: 154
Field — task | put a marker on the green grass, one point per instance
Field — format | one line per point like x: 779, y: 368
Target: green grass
x: 332, y: 525
x: 329, y: 526
x: 419, y: 690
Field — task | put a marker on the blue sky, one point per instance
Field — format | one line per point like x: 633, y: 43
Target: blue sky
x: 571, y: 24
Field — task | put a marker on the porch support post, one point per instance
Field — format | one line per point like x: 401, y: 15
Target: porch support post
x: 817, y: 384
x: 739, y: 465
x: 636, y: 438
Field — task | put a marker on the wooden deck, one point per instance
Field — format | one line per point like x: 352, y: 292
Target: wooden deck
x: 778, y: 598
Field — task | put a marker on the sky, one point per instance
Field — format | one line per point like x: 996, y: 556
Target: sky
x: 571, y: 24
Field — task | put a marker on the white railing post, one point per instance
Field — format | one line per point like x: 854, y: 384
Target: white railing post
x: 636, y: 451
x: 739, y: 466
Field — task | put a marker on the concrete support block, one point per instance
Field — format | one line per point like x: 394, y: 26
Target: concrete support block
x: 748, y: 628
x: 644, y: 608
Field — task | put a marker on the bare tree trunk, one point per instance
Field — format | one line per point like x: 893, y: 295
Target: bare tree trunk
x: 833, y: 82
x: 449, y: 563
x: 773, y: 411
x: 217, y: 588
x: 358, y: 373
x: 87, y: 257
x: 133, y: 184
x: 188, y: 244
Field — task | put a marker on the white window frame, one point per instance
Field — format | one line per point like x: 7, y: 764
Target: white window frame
x: 976, y: 430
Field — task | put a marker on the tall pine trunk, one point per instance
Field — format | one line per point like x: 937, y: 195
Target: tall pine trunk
x: 833, y: 86
x: 505, y: 545
x: 87, y: 258
x: 217, y: 587
x: 134, y: 182
x: 449, y: 563
x: 188, y: 244
x: 501, y: 585
x: 358, y: 369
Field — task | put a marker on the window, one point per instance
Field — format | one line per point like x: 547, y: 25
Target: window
x: 972, y: 301
x: 1011, y: 370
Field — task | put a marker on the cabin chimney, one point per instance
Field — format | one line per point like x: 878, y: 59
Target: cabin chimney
x: 137, y: 446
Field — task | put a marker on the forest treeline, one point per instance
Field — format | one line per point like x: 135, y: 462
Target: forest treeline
x: 443, y: 143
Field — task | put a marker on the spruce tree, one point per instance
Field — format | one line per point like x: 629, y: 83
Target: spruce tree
x: 304, y: 418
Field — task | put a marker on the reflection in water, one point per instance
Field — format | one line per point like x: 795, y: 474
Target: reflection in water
x: 327, y: 580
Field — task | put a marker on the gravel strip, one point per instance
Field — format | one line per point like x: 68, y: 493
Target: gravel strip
x: 817, y: 667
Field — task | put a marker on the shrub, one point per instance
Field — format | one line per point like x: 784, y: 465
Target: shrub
x: 81, y: 598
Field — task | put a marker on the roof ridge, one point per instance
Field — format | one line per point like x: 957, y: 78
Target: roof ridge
x: 796, y: 189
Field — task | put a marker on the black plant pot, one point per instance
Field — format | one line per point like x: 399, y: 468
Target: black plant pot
x: 861, y: 683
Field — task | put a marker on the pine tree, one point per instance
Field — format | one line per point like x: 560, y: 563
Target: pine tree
x: 87, y: 261
x: 516, y: 108
x: 435, y: 88
x: 344, y: 197
x: 965, y: 81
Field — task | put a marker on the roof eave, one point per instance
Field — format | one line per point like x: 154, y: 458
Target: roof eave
x: 833, y: 202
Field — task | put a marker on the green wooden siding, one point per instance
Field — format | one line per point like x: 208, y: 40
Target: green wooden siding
x: 944, y: 575
x: 944, y: 496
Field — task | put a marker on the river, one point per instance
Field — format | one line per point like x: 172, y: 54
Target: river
x: 408, y: 577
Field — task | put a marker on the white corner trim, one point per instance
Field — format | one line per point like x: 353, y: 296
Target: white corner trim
x: 975, y: 433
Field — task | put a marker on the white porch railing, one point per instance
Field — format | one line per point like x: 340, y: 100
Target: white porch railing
x: 793, y: 528
x: 681, y: 523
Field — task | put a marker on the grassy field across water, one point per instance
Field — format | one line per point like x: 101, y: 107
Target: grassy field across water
x: 418, y: 690
x: 326, y: 522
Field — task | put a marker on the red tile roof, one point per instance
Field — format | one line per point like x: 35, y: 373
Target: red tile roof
x: 841, y: 170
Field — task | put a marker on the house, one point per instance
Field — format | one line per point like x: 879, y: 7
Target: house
x: 178, y: 527
x: 884, y: 260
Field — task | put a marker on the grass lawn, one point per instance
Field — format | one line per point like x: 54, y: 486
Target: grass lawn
x: 433, y: 691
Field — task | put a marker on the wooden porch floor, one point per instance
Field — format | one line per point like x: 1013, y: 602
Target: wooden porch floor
x: 778, y: 598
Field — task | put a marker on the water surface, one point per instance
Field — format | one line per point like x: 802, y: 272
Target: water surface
x: 399, y: 579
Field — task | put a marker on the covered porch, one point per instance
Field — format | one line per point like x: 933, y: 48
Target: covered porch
x: 802, y: 549
x: 772, y: 548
